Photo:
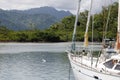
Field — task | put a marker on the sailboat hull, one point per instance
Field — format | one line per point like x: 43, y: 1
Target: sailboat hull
x: 84, y: 73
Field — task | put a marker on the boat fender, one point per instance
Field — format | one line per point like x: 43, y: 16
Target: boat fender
x: 78, y: 23
x: 83, y: 50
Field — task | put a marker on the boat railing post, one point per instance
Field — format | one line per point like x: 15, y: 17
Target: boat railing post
x: 98, y: 58
x: 105, y: 67
x: 91, y: 57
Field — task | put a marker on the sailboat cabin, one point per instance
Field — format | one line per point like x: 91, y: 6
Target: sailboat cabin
x: 112, y: 65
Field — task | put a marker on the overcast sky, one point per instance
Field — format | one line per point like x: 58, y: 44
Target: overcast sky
x: 68, y: 5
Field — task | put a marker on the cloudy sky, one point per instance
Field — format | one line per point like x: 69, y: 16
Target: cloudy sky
x: 68, y: 5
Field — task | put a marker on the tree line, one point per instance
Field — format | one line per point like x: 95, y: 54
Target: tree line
x: 63, y: 30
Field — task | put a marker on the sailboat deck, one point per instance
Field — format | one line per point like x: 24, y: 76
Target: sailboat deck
x: 85, y: 62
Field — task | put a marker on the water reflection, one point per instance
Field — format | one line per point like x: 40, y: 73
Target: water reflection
x: 30, y: 66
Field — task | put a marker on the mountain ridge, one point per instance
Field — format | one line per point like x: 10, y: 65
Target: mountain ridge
x: 34, y: 18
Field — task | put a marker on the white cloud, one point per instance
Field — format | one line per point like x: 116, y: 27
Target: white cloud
x: 96, y: 5
x: 70, y: 5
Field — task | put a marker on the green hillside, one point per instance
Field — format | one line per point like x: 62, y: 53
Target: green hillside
x: 62, y: 31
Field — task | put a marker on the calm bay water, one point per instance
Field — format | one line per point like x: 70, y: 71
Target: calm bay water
x: 33, y: 61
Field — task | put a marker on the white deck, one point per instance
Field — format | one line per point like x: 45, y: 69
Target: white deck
x: 84, y: 71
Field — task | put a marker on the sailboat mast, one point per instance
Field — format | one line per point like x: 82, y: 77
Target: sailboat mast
x: 118, y: 30
x: 119, y: 16
x: 75, y: 26
x: 87, y: 25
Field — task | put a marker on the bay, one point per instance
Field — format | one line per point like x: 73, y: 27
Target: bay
x: 34, y: 61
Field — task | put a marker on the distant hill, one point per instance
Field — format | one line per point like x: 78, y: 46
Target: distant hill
x: 35, y: 18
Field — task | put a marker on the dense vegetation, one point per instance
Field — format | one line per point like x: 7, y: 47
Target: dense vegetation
x: 62, y: 31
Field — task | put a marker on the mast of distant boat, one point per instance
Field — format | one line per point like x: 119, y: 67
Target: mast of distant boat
x: 118, y: 30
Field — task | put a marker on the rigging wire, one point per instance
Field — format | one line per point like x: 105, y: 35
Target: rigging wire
x: 92, y: 40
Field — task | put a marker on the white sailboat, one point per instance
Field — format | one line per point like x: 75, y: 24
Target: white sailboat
x: 105, y: 67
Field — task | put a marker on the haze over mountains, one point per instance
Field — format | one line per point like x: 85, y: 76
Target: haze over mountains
x: 35, y: 18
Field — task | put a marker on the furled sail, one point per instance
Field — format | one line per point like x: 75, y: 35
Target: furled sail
x: 86, y: 39
x: 87, y: 25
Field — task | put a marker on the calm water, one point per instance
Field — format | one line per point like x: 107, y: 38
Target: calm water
x: 28, y: 61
